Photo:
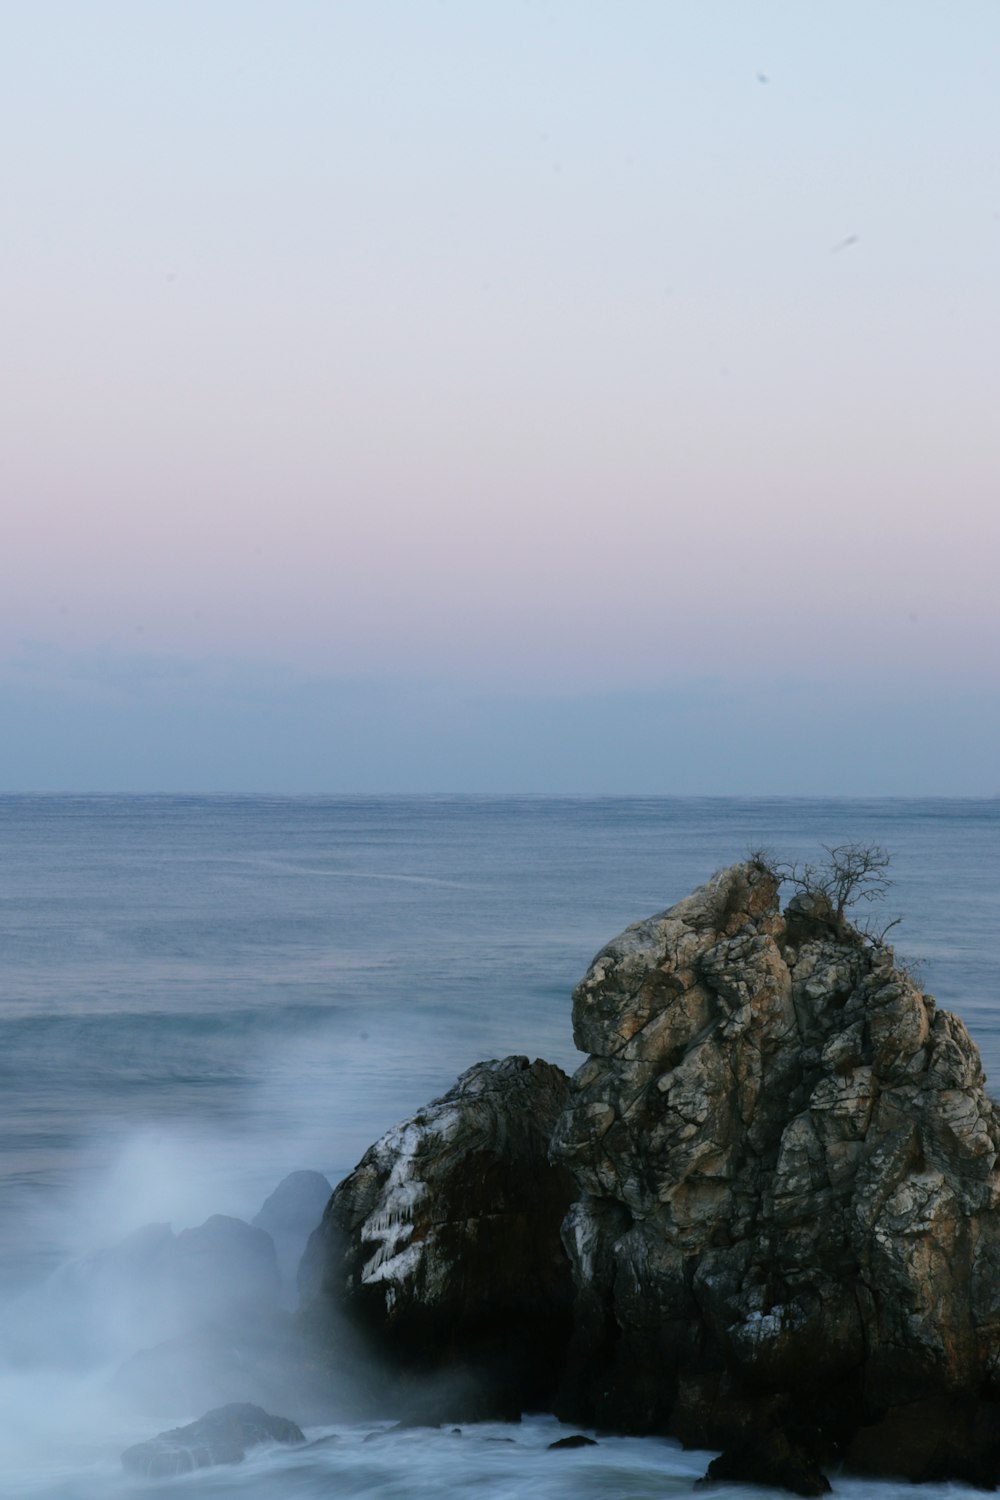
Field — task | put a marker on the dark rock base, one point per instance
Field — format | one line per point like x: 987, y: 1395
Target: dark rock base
x: 771, y: 1459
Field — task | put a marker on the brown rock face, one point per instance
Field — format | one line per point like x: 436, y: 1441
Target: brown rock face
x: 787, y: 1184
x: 442, y: 1250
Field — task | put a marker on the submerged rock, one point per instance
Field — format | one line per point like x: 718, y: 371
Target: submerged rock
x: 786, y: 1224
x: 220, y: 1437
x: 442, y: 1251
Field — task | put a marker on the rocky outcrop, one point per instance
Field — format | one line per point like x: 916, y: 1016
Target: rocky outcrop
x: 786, y: 1220
x: 215, y: 1289
x: 289, y: 1215
x: 220, y: 1437
x: 780, y: 1168
x: 192, y: 1319
x: 155, y: 1285
x: 441, y: 1251
x: 222, y: 1269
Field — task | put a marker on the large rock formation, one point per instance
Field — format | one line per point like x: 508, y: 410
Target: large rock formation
x: 787, y: 1195
x: 784, y: 1232
x: 441, y: 1251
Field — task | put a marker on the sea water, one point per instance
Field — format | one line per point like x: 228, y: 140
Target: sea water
x: 201, y: 994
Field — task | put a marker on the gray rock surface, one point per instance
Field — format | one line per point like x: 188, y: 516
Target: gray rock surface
x: 787, y: 1187
x: 195, y: 1319
x: 221, y: 1269
x: 441, y: 1251
x: 155, y: 1285
x: 221, y: 1436
x: 289, y: 1216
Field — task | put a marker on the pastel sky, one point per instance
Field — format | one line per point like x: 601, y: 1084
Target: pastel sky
x: 554, y: 395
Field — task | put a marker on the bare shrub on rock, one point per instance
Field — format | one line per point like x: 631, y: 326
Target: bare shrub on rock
x: 828, y: 890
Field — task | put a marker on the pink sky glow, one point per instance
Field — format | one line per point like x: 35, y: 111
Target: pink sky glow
x: 553, y: 346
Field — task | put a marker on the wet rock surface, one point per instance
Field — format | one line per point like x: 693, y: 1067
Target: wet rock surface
x: 440, y: 1254
x: 786, y: 1225
x: 222, y: 1436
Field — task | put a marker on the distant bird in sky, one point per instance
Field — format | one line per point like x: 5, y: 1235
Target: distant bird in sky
x: 762, y: 78
x: 852, y: 239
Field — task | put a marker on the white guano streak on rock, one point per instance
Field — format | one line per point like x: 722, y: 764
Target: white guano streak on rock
x: 392, y: 1221
x: 585, y: 1231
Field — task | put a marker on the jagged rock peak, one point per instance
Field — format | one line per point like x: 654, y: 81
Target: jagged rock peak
x: 631, y: 980
x: 786, y: 1163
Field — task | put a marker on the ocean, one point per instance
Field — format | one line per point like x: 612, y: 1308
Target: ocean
x: 202, y: 994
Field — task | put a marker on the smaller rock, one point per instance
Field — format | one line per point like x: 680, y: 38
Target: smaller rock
x: 576, y: 1441
x: 769, y: 1459
x: 289, y: 1216
x: 953, y: 1439
x: 324, y: 1442
x: 151, y: 1287
x: 221, y: 1436
x: 223, y: 1268
x: 440, y: 1255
